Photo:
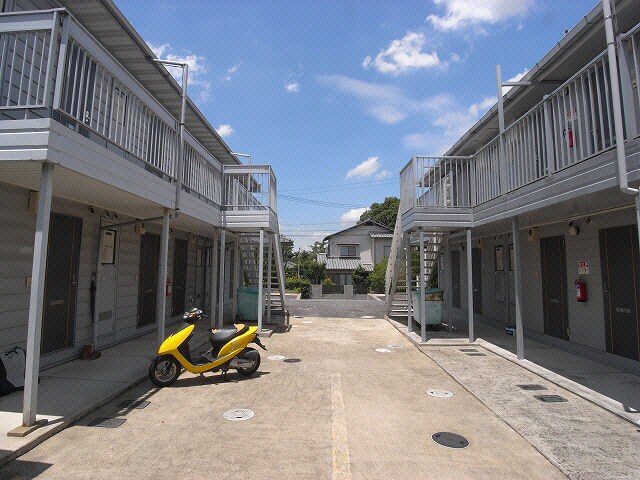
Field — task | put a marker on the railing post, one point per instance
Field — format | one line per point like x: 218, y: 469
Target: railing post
x: 61, y: 60
x: 548, y: 137
x: 632, y: 129
x: 471, y: 165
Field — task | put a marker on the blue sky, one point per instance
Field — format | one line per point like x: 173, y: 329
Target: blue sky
x: 338, y: 96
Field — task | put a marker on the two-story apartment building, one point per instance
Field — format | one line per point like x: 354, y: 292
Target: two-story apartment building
x: 530, y: 216
x: 362, y: 245
x: 120, y: 205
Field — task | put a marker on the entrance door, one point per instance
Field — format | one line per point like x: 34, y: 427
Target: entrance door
x: 179, y: 275
x: 455, y: 278
x: 477, y: 280
x: 108, y: 282
x: 621, y: 289
x: 554, y: 287
x: 61, y: 284
x: 149, y: 256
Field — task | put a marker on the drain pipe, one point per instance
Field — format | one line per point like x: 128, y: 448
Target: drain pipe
x: 617, y: 108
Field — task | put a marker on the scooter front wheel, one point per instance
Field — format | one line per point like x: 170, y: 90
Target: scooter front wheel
x: 164, y: 370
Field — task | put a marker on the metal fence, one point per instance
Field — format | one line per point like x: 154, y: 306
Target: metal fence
x: 360, y: 289
x: 249, y: 187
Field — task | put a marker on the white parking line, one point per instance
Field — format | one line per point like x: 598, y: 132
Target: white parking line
x: 340, y: 441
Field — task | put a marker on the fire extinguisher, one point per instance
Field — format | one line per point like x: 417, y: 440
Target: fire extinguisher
x: 581, y: 290
x: 569, y: 134
x: 168, y: 288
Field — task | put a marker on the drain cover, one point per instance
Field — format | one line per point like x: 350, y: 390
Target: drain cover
x: 551, y: 398
x: 276, y: 357
x: 367, y: 316
x: 383, y: 350
x: 476, y: 354
x: 137, y: 404
x: 291, y: 360
x: 468, y: 350
x: 450, y: 440
x: 395, y: 345
x: 106, y: 422
x: 434, y: 392
x: 238, y: 414
x: 532, y: 386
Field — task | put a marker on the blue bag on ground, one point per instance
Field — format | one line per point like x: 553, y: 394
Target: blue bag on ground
x: 12, y: 365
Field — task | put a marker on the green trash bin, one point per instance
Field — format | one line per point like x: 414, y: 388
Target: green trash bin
x: 248, y: 303
x: 434, y: 305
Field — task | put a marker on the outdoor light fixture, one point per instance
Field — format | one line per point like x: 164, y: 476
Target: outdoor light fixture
x: 573, y: 230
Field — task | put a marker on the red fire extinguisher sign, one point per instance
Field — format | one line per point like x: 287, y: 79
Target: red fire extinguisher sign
x: 168, y: 288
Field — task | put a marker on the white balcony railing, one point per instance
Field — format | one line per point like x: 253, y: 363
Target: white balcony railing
x: 75, y: 79
x: 249, y: 188
x: 572, y: 124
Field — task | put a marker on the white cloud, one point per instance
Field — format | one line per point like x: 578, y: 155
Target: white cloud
x: 293, y: 87
x: 384, y: 174
x: 230, y: 71
x: 460, y: 14
x: 197, y: 69
x: 476, y: 109
x: 353, y: 215
x: 387, y: 114
x: 365, y: 169
x: 402, y: 55
x: 224, y: 130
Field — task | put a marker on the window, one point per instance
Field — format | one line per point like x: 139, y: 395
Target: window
x: 386, y: 251
x: 499, y: 258
x: 342, y: 278
x: 348, y: 250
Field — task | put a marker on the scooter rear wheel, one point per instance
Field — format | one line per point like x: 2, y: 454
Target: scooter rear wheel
x: 164, y: 370
x: 249, y: 354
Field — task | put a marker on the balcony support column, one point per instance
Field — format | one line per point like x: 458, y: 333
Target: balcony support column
x: 269, y: 274
x: 161, y: 298
x: 422, y: 297
x: 448, y: 286
x: 517, y: 272
x: 260, y: 279
x: 213, y: 289
x: 472, y: 337
x: 408, y: 275
x: 36, y: 300
x: 237, y: 265
x: 221, y: 282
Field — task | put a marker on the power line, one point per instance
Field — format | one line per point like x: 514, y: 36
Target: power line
x: 323, y: 203
x: 346, y: 187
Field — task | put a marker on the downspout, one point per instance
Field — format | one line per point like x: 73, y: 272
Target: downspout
x: 617, y: 106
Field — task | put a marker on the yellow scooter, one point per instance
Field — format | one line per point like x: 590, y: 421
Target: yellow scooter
x: 229, y: 349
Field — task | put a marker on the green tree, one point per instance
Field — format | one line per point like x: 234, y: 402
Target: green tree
x: 318, y: 247
x: 360, y: 276
x: 377, y: 277
x: 384, y: 213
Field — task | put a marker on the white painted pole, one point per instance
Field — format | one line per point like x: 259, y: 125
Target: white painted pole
x: 36, y: 298
x: 518, y: 285
x: 422, y: 297
x: 501, y: 152
x: 449, y: 286
x: 260, y: 275
x: 269, y: 274
x: 237, y: 265
x: 221, y: 285
x: 161, y: 298
x: 408, y: 276
x: 213, y: 289
x: 472, y: 337
x: 96, y: 295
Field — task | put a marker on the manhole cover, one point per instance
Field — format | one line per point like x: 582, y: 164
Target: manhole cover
x: 476, y: 354
x: 383, y: 350
x: 450, y: 440
x: 532, y: 386
x: 395, y: 345
x: 468, y: 350
x: 367, y: 316
x: 276, y: 357
x: 137, y: 404
x: 292, y: 360
x: 106, y: 422
x: 434, y: 392
x: 238, y: 414
x: 551, y: 398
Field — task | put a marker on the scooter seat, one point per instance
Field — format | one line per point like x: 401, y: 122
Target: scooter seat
x: 224, y: 336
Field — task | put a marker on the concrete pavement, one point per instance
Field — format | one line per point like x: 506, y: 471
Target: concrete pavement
x: 337, y: 409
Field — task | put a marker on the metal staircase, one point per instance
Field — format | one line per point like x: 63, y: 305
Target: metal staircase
x: 396, y: 275
x: 273, y: 275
